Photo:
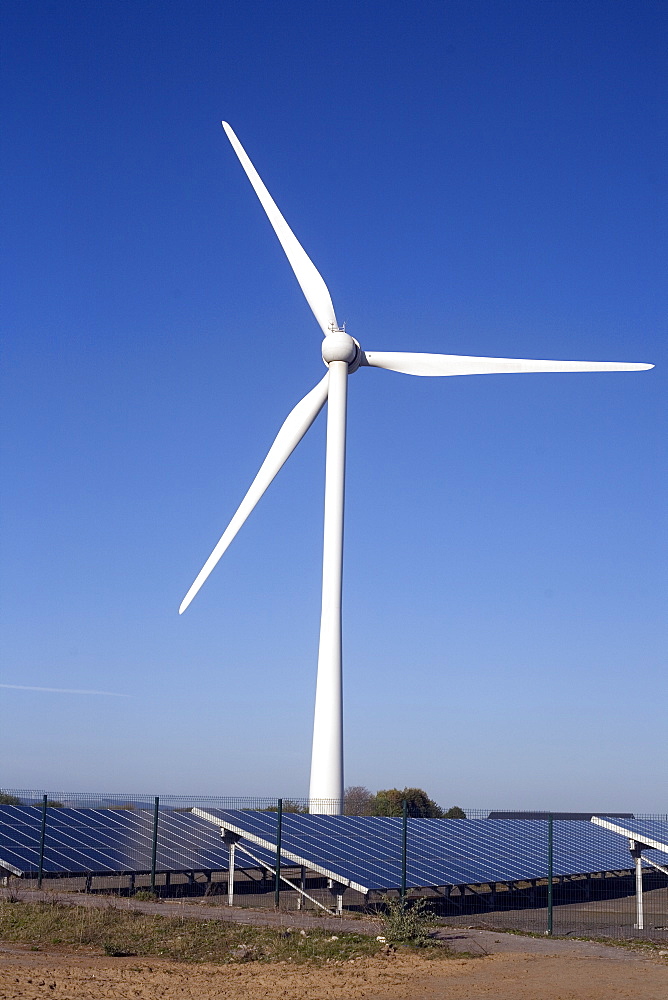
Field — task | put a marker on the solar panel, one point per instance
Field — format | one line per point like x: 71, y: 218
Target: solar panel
x: 365, y: 852
x: 112, y: 842
x: 362, y: 852
x: 651, y: 832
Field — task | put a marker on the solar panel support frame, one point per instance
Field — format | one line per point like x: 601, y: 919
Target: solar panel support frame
x: 302, y: 886
x: 638, y: 842
x: 270, y: 846
x: 655, y: 864
x: 231, y: 840
x: 337, y: 891
x: 287, y: 880
x: 636, y: 849
x: 628, y: 832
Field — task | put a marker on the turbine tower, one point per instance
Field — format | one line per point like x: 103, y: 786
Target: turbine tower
x: 342, y: 356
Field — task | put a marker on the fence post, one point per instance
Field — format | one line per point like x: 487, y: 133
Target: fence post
x: 279, y: 829
x: 154, y: 846
x: 550, y: 871
x: 404, y: 833
x: 42, y: 837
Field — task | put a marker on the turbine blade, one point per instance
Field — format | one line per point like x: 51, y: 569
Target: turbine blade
x: 459, y: 364
x: 308, y: 276
x: 293, y: 430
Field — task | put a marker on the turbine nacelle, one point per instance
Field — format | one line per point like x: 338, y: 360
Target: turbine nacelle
x: 340, y: 346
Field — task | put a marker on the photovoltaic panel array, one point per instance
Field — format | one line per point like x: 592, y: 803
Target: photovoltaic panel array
x: 651, y: 832
x: 365, y: 852
x: 113, y: 841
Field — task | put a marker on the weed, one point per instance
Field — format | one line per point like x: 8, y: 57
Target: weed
x: 114, y: 951
x: 408, y: 921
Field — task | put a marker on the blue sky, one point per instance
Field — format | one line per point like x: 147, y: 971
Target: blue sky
x: 470, y: 178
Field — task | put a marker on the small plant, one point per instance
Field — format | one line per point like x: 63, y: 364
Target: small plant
x: 407, y: 921
x: 146, y: 896
x: 114, y: 951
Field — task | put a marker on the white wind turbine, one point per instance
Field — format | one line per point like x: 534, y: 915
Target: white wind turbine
x: 343, y: 356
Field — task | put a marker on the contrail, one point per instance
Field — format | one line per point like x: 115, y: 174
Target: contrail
x: 27, y: 687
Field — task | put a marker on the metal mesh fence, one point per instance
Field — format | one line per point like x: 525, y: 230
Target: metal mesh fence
x: 563, y: 874
x: 595, y: 900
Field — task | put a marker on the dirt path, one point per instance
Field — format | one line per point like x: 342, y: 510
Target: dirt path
x: 459, y: 938
x: 510, y: 967
x: 26, y: 975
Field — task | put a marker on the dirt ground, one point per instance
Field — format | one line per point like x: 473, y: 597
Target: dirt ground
x: 576, y: 973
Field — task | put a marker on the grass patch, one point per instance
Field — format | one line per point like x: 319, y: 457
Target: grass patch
x: 119, y: 932
x: 645, y: 945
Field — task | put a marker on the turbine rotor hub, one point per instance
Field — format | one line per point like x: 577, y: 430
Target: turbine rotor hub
x: 340, y: 346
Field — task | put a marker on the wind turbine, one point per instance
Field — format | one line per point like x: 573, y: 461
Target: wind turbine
x: 342, y: 355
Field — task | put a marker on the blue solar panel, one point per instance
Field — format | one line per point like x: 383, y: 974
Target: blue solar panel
x: 651, y: 832
x: 113, y: 841
x: 365, y: 852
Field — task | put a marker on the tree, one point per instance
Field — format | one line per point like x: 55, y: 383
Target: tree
x: 389, y: 802
x: 357, y: 801
x: 9, y: 800
x: 454, y: 813
x: 289, y: 806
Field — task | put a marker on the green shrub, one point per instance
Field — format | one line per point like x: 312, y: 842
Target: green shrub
x: 407, y: 921
x: 390, y: 802
x: 289, y: 806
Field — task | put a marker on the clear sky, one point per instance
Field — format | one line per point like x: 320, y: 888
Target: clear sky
x: 470, y: 178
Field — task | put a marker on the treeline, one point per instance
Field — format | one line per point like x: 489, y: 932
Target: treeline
x: 359, y: 801
x: 13, y: 800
